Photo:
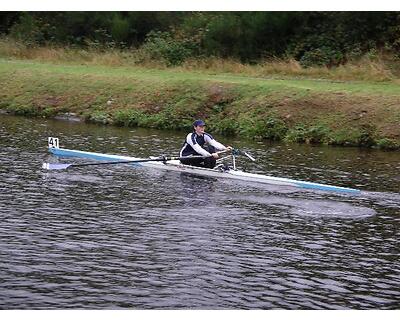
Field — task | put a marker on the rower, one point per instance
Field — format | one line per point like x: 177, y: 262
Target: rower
x: 201, y: 143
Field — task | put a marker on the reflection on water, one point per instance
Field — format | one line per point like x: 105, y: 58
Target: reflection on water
x: 314, y: 208
x: 118, y: 237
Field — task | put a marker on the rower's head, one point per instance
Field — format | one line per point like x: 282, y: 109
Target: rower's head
x: 199, y: 126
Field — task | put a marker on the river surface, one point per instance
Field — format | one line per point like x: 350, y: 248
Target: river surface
x: 112, y: 237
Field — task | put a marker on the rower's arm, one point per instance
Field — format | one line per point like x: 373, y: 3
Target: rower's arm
x: 210, y: 140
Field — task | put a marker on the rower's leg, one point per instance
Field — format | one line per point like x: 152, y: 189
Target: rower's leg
x: 193, y: 162
x: 210, y: 162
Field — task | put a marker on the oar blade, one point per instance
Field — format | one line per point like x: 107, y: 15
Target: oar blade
x: 55, y: 166
x: 243, y: 153
x: 249, y: 156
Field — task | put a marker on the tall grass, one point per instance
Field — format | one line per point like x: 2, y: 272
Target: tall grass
x: 366, y: 68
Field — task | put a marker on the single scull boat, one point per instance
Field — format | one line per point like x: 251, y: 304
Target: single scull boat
x: 175, y: 165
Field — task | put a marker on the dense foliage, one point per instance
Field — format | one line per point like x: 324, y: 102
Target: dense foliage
x: 313, y: 38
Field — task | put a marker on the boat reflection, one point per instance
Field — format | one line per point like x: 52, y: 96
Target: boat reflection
x: 196, y: 189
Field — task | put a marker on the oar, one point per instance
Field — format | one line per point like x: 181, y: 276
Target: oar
x: 62, y: 166
x: 242, y: 153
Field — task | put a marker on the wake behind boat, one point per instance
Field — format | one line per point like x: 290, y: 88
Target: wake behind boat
x: 174, y: 164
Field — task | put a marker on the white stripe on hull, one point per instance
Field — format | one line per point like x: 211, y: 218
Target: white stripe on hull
x: 175, y: 165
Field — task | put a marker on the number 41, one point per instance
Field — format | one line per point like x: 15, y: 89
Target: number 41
x: 53, y: 142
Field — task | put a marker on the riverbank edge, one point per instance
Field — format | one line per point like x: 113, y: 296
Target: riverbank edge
x: 273, y: 110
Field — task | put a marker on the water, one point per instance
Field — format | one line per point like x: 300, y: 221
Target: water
x: 110, y: 237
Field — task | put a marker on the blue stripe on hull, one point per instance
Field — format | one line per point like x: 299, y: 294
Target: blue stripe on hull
x: 310, y: 185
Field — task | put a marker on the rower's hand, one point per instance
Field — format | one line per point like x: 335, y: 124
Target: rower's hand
x: 229, y: 148
x: 215, y: 155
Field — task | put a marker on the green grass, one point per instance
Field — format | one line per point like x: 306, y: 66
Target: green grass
x: 143, y: 74
x: 303, y: 110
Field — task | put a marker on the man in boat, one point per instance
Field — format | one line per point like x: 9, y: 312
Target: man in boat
x: 200, y: 143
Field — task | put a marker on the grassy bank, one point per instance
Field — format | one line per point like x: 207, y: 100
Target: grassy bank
x: 360, y: 113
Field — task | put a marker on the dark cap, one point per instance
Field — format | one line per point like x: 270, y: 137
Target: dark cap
x: 199, y: 123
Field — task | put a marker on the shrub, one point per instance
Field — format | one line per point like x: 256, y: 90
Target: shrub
x: 99, y: 117
x: 28, y: 31
x: 23, y: 110
x: 128, y: 118
x: 389, y: 144
x: 297, y: 134
x: 225, y: 126
x: 270, y: 127
x: 317, y: 134
x: 274, y: 128
x: 313, y: 134
x: 324, y: 56
x: 49, y: 112
x: 366, y: 136
x: 162, y: 45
